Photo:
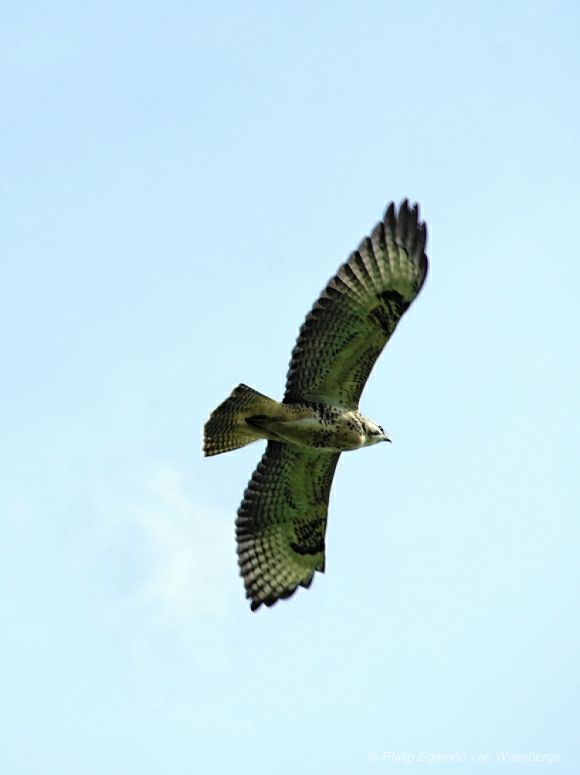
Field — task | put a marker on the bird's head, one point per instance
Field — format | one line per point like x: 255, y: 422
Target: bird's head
x: 374, y: 433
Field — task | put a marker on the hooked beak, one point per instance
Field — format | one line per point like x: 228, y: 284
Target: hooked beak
x: 386, y: 438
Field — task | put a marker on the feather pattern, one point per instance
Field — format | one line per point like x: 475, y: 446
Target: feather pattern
x: 357, y: 312
x: 281, y: 522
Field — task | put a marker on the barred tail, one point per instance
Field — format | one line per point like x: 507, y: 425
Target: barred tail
x: 227, y: 428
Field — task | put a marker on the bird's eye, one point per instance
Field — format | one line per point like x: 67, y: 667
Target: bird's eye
x: 381, y: 429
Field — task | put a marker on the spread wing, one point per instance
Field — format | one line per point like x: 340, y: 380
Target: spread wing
x: 282, y: 521
x: 356, y: 314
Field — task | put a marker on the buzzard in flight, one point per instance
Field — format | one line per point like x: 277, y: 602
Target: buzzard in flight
x: 282, y: 519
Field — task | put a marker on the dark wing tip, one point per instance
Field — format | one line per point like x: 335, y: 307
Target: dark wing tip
x: 406, y: 225
x: 270, y: 600
x: 408, y: 230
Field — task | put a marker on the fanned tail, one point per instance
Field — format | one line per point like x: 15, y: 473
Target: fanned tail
x: 227, y: 428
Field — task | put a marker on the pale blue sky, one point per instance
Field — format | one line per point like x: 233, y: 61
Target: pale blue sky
x: 179, y: 181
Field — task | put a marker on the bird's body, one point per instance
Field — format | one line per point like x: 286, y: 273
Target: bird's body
x: 281, y: 523
x: 317, y: 426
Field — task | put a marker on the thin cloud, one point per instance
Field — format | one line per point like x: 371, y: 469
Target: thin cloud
x: 190, y: 549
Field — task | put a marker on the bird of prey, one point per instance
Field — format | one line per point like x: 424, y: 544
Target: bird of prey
x: 281, y: 522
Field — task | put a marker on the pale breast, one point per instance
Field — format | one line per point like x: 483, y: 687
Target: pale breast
x: 321, y: 427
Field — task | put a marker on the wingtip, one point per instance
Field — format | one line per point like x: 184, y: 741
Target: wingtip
x: 405, y: 222
x: 258, y: 597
